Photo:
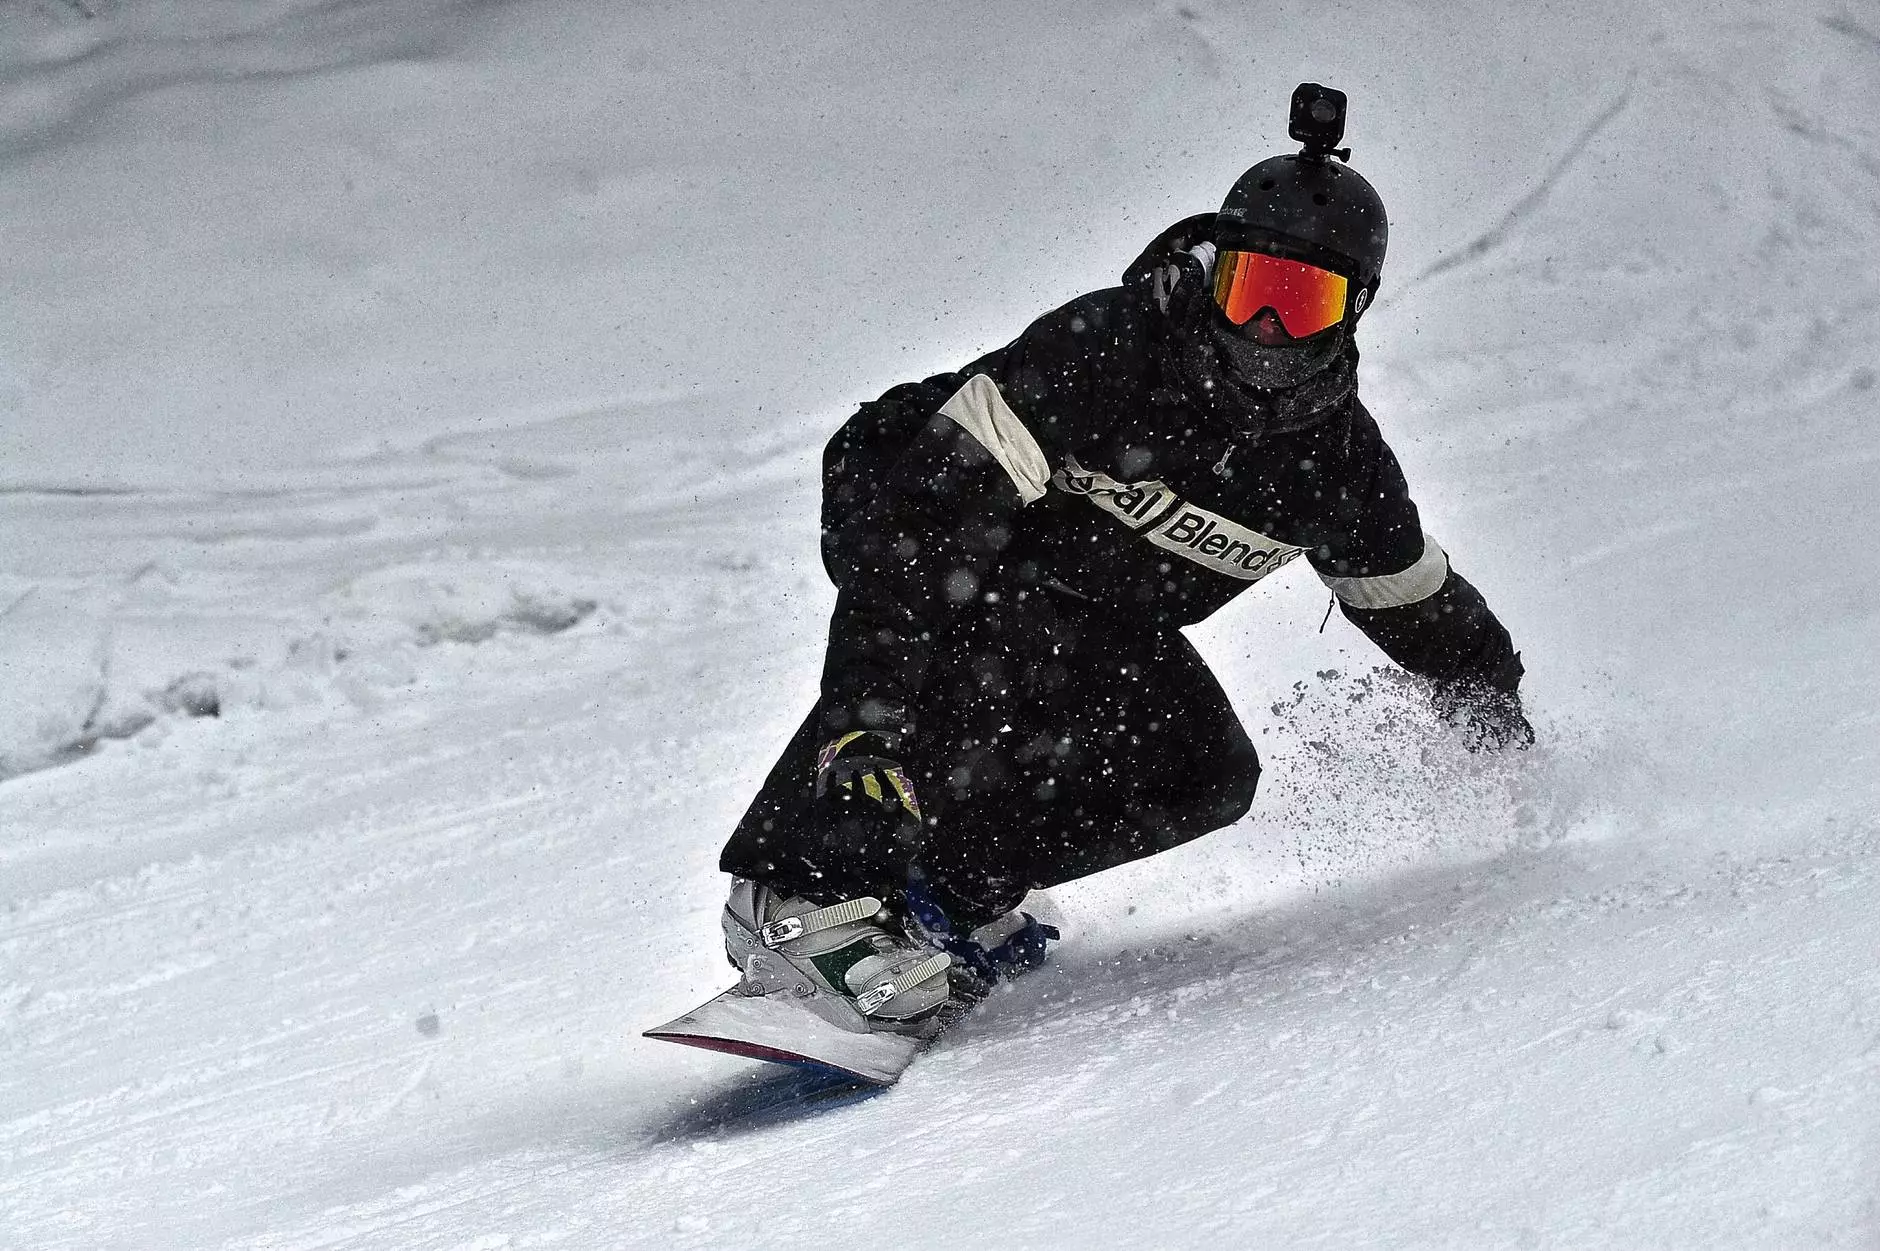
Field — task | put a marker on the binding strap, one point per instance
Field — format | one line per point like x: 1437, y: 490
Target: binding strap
x: 880, y: 993
x: 789, y: 929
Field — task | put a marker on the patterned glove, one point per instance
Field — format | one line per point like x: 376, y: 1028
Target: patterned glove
x: 859, y: 768
x: 1490, y: 719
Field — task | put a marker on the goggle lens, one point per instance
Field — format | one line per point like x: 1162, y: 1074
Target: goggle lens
x: 1306, y: 298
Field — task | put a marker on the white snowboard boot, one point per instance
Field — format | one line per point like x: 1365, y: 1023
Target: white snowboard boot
x: 851, y: 963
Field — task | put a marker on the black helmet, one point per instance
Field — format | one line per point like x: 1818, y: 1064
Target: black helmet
x: 1309, y: 206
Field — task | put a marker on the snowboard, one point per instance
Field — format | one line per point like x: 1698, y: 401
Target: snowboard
x: 778, y: 1015
x: 784, y: 1028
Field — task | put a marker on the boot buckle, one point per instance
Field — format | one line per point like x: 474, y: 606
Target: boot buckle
x: 777, y: 933
x: 788, y: 929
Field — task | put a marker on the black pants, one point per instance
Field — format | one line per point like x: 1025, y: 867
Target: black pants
x: 1055, y: 740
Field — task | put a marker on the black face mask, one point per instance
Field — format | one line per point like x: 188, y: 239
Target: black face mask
x: 1276, y: 367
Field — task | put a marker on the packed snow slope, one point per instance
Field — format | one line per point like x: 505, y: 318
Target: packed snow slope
x: 408, y: 419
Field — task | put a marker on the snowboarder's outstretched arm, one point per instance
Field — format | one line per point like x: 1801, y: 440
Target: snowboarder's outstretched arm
x: 1395, y: 583
x: 1450, y: 637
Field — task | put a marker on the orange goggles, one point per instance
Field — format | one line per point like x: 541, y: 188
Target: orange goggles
x: 1306, y: 298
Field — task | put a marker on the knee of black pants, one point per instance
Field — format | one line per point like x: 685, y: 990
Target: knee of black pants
x: 1226, y: 797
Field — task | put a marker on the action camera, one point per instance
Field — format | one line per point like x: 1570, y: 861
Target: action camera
x: 1318, y: 120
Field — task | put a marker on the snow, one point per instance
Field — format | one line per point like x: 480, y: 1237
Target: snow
x: 408, y: 425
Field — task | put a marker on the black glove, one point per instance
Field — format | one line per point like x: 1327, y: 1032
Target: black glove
x: 1490, y: 719
x: 858, y: 769
x: 867, y: 823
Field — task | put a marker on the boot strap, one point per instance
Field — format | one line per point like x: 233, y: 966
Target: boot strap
x: 881, y: 992
x: 789, y: 929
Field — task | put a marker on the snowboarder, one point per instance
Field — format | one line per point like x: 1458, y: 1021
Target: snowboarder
x: 1007, y: 699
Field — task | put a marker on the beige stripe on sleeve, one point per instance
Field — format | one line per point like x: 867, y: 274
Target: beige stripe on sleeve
x: 1394, y: 590
x: 983, y: 413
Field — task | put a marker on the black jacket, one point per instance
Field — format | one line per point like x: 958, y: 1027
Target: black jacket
x: 1072, y: 462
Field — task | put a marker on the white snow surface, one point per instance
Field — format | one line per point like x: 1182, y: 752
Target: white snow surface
x: 431, y: 390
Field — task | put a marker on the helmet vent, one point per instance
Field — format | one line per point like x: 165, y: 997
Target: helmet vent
x: 1318, y: 197
x: 1266, y: 184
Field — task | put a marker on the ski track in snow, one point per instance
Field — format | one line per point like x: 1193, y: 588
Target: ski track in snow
x: 409, y: 579
x: 1495, y: 235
